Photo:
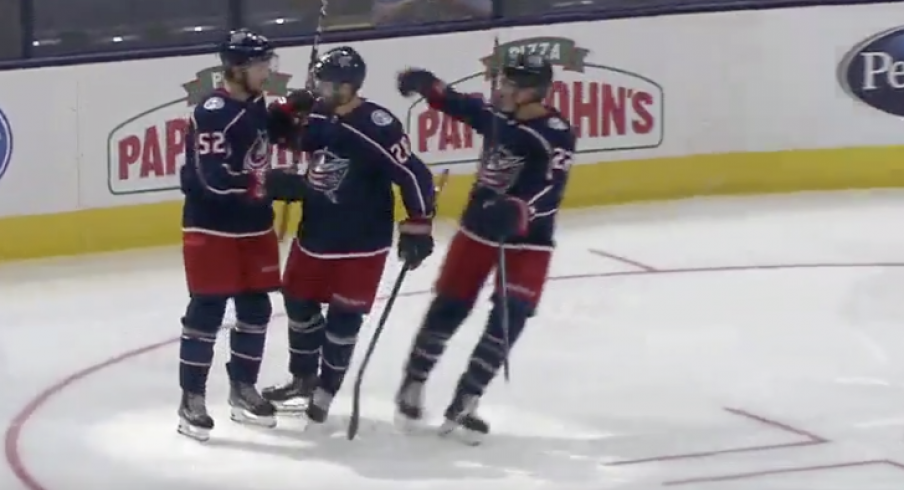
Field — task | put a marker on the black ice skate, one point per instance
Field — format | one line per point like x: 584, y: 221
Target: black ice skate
x: 318, y: 407
x: 194, y: 420
x: 292, y: 396
x: 409, y: 405
x: 249, y: 407
x: 462, y: 421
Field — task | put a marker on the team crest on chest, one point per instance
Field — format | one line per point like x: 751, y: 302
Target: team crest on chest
x: 326, y: 172
x: 499, y: 169
x: 258, y: 156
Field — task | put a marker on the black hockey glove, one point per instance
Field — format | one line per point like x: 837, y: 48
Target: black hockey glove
x: 415, y: 241
x: 505, y: 217
x: 418, y: 81
x: 286, y: 117
x: 285, y: 185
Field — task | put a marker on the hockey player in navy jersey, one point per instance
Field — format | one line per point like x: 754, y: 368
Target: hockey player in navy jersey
x: 359, y: 150
x: 229, y: 246
x: 527, y: 153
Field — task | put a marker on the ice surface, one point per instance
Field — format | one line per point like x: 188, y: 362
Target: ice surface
x: 735, y: 344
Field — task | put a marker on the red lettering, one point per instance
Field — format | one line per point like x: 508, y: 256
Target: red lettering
x: 175, y: 143
x: 151, y: 156
x: 643, y: 121
x: 588, y: 110
x: 129, y: 151
x: 427, y: 126
x: 286, y: 158
x: 451, y: 134
x: 559, y: 97
x: 614, y: 110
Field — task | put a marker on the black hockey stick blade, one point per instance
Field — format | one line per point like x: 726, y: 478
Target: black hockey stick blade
x: 354, y: 421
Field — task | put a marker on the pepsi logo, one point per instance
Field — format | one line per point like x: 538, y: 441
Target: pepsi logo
x: 873, y: 71
x: 6, y: 143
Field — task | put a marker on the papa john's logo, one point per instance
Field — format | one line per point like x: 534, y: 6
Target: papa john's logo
x: 610, y: 108
x: 6, y: 143
x: 145, y: 152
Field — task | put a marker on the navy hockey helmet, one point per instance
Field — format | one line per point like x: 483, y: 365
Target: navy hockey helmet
x: 341, y: 65
x: 242, y: 47
x: 529, y: 71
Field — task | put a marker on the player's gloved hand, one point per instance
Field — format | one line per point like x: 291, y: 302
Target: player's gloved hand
x: 285, y: 185
x: 285, y: 117
x: 505, y: 217
x: 419, y: 81
x: 415, y: 241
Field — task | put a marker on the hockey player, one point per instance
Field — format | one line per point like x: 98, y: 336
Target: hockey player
x: 527, y: 153
x: 229, y: 246
x: 359, y: 151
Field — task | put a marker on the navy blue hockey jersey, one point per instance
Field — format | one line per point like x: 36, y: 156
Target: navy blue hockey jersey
x: 530, y: 160
x: 226, y: 145
x: 355, y: 159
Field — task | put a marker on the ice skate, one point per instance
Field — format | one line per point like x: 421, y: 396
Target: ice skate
x: 318, y: 408
x: 409, y: 401
x: 292, y: 396
x: 194, y: 421
x: 462, y: 422
x: 249, y: 407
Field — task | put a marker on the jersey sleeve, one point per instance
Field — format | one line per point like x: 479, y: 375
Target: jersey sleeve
x: 211, y: 152
x: 473, y: 111
x: 558, y: 142
x: 391, y: 147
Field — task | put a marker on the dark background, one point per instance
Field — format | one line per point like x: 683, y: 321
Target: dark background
x: 41, y: 29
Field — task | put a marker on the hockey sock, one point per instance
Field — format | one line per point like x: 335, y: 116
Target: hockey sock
x: 443, y: 319
x: 342, y: 328
x: 490, y: 351
x: 199, y: 334
x: 306, y: 336
x: 246, y: 343
x: 248, y: 337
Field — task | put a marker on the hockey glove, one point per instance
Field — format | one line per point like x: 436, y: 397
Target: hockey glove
x: 506, y: 217
x: 415, y: 241
x: 287, y: 116
x: 285, y: 185
x: 419, y: 81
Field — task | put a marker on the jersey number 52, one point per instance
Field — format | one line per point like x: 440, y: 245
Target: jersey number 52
x: 210, y: 143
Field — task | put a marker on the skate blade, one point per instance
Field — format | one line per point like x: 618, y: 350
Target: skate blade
x: 241, y: 416
x: 199, y: 434
x: 292, y: 406
x: 451, y: 430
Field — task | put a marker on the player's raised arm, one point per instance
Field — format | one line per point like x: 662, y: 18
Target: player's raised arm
x: 209, y: 149
x: 469, y: 109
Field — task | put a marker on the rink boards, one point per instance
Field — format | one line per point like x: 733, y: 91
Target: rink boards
x: 735, y: 103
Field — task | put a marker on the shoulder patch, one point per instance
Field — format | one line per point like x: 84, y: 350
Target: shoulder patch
x: 214, y: 103
x: 381, y: 117
x: 557, y: 124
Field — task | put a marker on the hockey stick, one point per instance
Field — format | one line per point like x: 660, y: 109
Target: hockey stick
x: 354, y: 421
x: 501, y: 276
x: 283, y: 225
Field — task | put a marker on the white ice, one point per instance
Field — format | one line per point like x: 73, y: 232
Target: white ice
x: 738, y: 344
